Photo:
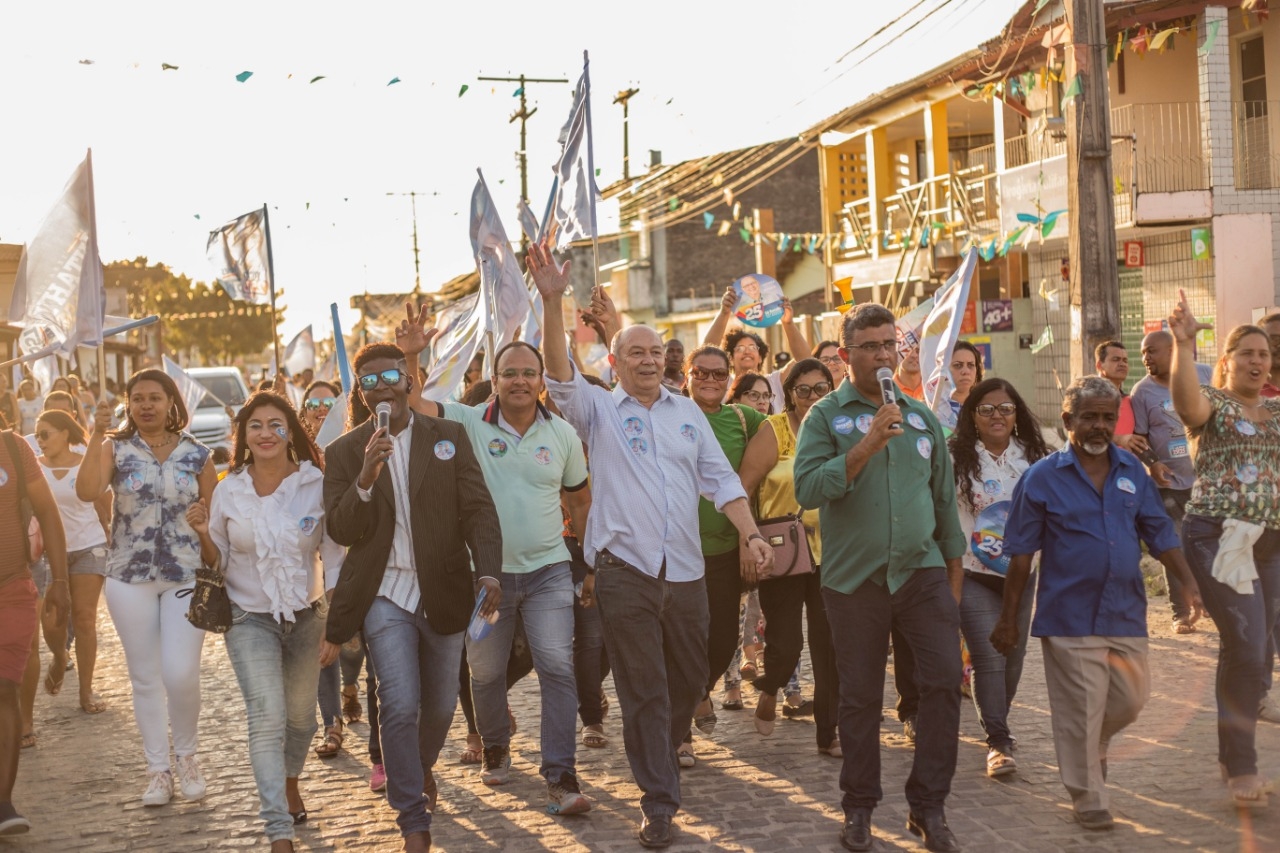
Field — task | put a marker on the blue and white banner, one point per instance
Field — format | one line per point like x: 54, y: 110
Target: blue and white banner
x: 938, y: 339
x: 574, y: 210
x: 240, y: 253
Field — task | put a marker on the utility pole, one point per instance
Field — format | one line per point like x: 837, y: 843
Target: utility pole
x: 624, y: 98
x: 417, y: 270
x: 1091, y: 245
x: 523, y: 114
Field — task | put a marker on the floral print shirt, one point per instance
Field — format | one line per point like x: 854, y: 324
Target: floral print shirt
x: 150, y: 537
x: 1237, y: 473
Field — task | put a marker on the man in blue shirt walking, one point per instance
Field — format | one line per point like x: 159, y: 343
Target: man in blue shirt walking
x: 1086, y: 509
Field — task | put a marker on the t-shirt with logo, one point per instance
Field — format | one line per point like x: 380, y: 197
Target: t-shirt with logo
x: 13, y: 555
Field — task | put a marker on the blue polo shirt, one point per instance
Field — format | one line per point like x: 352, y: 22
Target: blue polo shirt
x: 1090, y: 580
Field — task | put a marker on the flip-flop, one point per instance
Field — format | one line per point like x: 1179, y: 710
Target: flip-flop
x: 28, y: 740
x: 95, y: 705
x: 53, y: 686
x: 594, y: 739
x: 472, y: 754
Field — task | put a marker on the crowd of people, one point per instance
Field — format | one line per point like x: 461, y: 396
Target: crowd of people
x: 676, y: 527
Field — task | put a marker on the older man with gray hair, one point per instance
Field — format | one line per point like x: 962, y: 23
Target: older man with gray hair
x: 1086, y: 510
x: 652, y: 455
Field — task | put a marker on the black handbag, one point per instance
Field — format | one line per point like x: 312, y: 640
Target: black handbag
x: 210, y: 608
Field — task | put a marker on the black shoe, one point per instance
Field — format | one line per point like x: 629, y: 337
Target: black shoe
x: 933, y: 828
x: 656, y: 831
x: 1097, y: 819
x: 856, y: 834
x: 804, y: 709
x: 299, y: 817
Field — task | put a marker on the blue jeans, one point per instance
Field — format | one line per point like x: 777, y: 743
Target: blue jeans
x: 544, y: 600
x: 277, y: 665
x: 995, y: 677
x: 1245, y: 623
x: 590, y: 663
x: 925, y: 613
x: 417, y: 693
x: 330, y: 690
x: 656, y: 634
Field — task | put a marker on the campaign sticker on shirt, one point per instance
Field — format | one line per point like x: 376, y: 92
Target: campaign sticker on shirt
x: 497, y: 448
x: 690, y: 433
x: 4, y: 477
x: 916, y: 421
x: 1178, y: 448
x: 183, y: 479
x: 1167, y: 405
x: 639, y: 446
x: 1124, y: 484
x: 993, y: 487
x: 843, y: 425
x: 924, y: 446
x: 632, y: 427
x: 1244, y: 427
x: 133, y: 482
x: 863, y: 423
x: 308, y: 525
x: 1247, y: 474
x: 542, y: 455
x: 987, y: 541
x: 445, y: 450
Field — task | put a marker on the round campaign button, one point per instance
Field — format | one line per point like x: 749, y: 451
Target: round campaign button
x: 993, y: 487
x: 916, y: 421
x: 843, y: 424
x: 445, y: 450
x: 542, y: 455
x: 924, y: 446
x: 639, y: 446
x: 308, y: 524
x: 632, y: 427
x: 497, y: 448
x: 864, y: 423
x: 1124, y: 484
x: 1247, y: 474
x: 690, y: 433
x: 1245, y: 427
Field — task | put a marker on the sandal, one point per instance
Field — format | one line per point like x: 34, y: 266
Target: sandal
x: 474, y: 750
x: 94, y: 704
x: 332, y: 743
x: 594, y: 737
x: 28, y: 740
x: 53, y: 686
x: 351, y: 704
x: 1249, y: 792
x: 1182, y: 626
x: 832, y: 749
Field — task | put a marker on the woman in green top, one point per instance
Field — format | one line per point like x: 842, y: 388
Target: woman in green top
x: 1234, y: 506
x: 768, y: 466
x: 707, y: 372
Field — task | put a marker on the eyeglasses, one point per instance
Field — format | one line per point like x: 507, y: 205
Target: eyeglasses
x: 740, y: 348
x: 757, y: 396
x: 876, y: 347
x: 389, y: 378
x: 986, y: 410
x: 819, y: 389
x: 831, y: 360
x: 719, y: 374
x: 527, y: 373
x: 317, y: 402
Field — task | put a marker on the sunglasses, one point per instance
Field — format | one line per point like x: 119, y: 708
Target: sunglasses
x: 719, y: 374
x: 804, y: 392
x: 317, y: 402
x: 44, y: 435
x: 986, y: 410
x: 389, y: 378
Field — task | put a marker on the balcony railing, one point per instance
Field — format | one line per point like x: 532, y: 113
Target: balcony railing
x: 1167, y: 142
x: 1257, y: 138
x: 1021, y: 150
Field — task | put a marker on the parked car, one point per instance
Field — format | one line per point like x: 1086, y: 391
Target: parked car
x: 211, y: 421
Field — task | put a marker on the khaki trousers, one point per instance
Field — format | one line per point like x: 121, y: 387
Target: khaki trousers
x: 1097, y: 686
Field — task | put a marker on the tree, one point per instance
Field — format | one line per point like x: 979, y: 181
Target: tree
x: 198, y: 320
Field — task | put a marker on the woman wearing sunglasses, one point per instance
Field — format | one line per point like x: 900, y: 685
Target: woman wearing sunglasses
x: 707, y: 378
x: 997, y: 439
x: 767, y: 466
x: 317, y: 400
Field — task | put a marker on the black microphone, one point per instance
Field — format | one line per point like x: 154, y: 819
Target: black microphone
x: 383, y: 412
x: 887, y: 392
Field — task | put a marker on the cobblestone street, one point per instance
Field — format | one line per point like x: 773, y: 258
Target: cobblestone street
x: 81, y: 784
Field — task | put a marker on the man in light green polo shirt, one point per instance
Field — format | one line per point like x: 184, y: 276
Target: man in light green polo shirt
x: 881, y: 477
x: 529, y: 457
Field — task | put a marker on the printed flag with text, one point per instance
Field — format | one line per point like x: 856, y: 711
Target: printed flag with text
x: 575, y: 206
x: 503, y: 292
x: 938, y: 340
x: 239, y: 252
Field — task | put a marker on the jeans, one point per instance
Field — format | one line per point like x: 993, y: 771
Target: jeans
x: 519, y: 664
x: 783, y: 601
x: 995, y: 677
x: 656, y: 634
x: 330, y: 690
x: 544, y: 599
x: 1175, y: 503
x: 371, y: 696
x: 590, y: 663
x: 1245, y: 623
x: 277, y: 665
x: 417, y: 693
x: 926, y: 613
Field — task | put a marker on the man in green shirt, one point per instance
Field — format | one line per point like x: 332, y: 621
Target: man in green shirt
x: 880, y: 475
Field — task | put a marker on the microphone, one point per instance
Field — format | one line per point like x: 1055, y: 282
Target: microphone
x: 383, y: 412
x: 887, y: 393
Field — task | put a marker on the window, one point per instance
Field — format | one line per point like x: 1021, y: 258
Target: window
x: 1253, y: 78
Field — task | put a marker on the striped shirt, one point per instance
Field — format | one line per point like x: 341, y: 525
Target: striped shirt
x: 648, y: 467
x: 400, y: 581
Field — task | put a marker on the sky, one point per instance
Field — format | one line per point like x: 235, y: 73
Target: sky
x: 179, y: 152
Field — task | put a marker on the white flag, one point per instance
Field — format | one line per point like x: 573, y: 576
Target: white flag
x: 576, y: 196
x: 504, y: 297
x: 300, y: 354
x: 334, y: 422
x: 192, y: 391
x: 240, y: 252
x: 454, y: 348
x: 58, y: 294
x: 938, y: 340
x: 528, y: 222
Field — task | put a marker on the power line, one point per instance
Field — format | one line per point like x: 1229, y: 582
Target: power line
x: 869, y: 38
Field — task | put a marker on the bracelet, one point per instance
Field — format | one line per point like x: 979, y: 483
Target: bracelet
x: 60, y: 580
x: 757, y: 536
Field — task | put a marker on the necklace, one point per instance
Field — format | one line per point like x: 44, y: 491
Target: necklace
x: 170, y: 439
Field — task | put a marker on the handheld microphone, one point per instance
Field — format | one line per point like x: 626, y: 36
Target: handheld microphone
x: 887, y: 392
x: 383, y: 413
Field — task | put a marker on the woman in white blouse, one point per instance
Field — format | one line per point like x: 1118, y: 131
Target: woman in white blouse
x: 997, y: 439
x: 266, y: 532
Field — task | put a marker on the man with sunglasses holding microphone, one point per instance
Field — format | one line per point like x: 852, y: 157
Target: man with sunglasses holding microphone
x: 406, y: 494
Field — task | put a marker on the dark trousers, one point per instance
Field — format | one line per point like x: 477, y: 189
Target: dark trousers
x: 371, y: 691
x: 656, y: 633
x: 783, y: 601
x: 925, y: 612
x: 1175, y: 503
x: 724, y: 624
x: 904, y: 676
x: 590, y: 663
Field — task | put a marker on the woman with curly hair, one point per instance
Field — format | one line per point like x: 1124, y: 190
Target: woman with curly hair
x: 997, y: 439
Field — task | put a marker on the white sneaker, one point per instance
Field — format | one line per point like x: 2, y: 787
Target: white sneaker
x: 190, y: 779
x: 159, y: 789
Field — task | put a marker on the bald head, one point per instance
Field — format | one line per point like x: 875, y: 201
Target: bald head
x: 1157, y: 354
x: 637, y: 356
x: 633, y: 335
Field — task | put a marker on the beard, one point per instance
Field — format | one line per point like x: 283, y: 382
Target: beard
x: 1095, y: 447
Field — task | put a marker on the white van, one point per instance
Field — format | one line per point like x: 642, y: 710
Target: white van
x: 211, y: 421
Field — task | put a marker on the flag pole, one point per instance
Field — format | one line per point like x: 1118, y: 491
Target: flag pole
x: 271, y: 286
x: 591, y: 174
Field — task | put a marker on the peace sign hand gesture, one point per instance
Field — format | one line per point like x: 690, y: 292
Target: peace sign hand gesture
x: 412, y: 335
x: 1182, y: 323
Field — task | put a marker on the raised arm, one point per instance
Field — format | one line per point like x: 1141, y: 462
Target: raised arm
x: 1189, y: 402
x: 98, y: 466
x: 715, y: 333
x: 551, y: 281
x: 800, y: 348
